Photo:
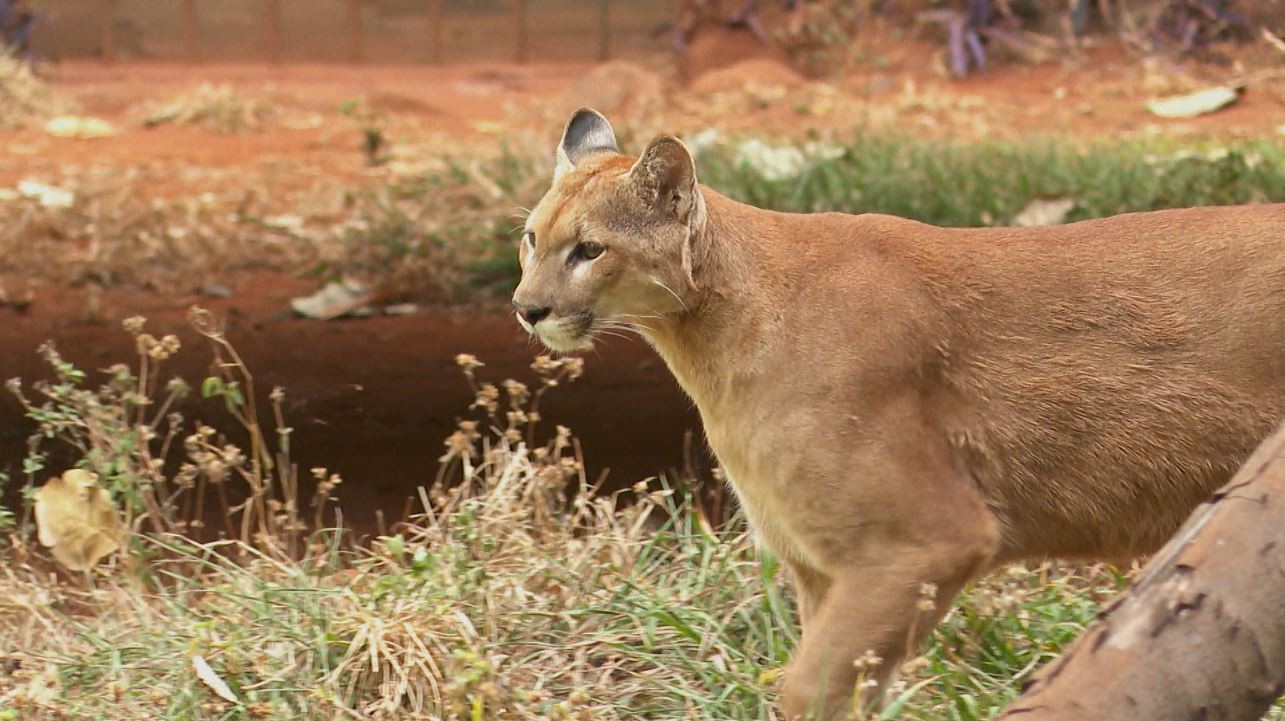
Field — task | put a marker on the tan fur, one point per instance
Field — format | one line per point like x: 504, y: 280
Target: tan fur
x: 898, y: 404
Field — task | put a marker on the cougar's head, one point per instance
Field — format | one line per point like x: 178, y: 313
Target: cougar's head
x: 609, y: 245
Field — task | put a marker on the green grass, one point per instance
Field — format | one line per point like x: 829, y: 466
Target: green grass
x: 469, y: 211
x: 985, y: 183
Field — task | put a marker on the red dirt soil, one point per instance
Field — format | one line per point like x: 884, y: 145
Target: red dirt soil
x: 1100, y: 94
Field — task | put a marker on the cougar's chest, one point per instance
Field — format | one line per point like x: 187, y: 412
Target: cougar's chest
x: 743, y: 422
x: 755, y: 471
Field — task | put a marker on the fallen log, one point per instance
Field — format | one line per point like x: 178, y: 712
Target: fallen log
x: 1201, y: 634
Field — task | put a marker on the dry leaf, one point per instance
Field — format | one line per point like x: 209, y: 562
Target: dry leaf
x: 1044, y: 212
x: 77, y: 521
x: 47, y: 195
x: 335, y: 300
x: 1191, y: 105
x: 75, y: 126
x: 211, y: 679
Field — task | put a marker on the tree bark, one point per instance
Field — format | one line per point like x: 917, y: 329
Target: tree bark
x: 1201, y: 635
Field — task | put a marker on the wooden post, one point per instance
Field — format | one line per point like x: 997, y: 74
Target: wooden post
x: 109, y: 31
x: 519, y: 11
x: 272, y: 29
x: 189, y: 30
x: 354, y: 31
x: 604, y: 31
x: 435, y: 51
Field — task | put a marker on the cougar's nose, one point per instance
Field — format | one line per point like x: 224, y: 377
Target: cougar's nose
x: 531, y: 313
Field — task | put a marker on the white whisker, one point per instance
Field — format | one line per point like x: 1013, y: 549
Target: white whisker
x: 615, y: 325
x: 671, y: 292
x: 613, y: 334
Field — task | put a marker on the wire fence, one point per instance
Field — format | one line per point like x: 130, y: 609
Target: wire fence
x: 349, y: 31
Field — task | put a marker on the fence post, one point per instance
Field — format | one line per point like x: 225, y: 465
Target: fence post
x: 109, y: 31
x: 604, y: 31
x: 272, y: 29
x: 435, y: 52
x: 354, y: 31
x: 519, y: 11
x: 189, y: 30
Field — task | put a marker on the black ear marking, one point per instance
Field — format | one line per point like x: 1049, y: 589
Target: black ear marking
x: 587, y: 133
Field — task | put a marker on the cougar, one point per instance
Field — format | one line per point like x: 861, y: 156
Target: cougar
x: 900, y: 406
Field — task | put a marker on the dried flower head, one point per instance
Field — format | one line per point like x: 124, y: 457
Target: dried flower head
x: 134, y: 324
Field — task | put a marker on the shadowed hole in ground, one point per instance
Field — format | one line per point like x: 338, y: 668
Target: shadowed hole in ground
x: 370, y: 399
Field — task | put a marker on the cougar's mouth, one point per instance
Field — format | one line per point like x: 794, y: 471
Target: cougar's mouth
x: 565, y: 333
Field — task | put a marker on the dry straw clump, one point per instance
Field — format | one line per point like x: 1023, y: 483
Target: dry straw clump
x: 24, y: 98
x: 97, y: 229
x: 438, y: 232
x: 221, y: 108
x: 497, y: 600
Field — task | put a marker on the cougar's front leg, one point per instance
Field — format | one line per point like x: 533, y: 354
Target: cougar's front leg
x: 866, y: 611
x: 875, y: 603
x: 810, y: 587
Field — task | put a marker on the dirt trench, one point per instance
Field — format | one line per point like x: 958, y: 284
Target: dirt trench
x: 371, y: 399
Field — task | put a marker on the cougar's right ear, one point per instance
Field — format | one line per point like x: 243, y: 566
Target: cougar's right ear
x: 587, y: 133
x: 665, y: 177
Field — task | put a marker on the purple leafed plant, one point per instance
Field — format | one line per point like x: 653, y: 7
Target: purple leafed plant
x: 16, y: 21
x: 692, y: 14
x: 965, y: 33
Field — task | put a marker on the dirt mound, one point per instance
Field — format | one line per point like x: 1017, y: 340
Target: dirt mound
x: 735, y: 77
x: 616, y: 89
x: 722, y: 48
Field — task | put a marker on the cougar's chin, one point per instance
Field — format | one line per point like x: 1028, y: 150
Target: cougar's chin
x: 564, y: 343
x: 564, y: 335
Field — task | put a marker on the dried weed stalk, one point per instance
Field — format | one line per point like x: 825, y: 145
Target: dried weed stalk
x: 24, y: 98
x: 128, y: 431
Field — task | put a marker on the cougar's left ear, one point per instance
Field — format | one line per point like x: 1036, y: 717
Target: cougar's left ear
x: 665, y: 177
x: 587, y: 133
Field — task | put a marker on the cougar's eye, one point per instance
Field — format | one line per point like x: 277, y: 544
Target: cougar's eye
x: 586, y: 251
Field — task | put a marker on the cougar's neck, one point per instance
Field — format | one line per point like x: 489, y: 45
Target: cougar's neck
x: 706, y: 346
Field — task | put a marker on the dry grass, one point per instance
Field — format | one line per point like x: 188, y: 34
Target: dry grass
x: 24, y: 98
x: 221, y: 108
x: 514, y: 592
x: 112, y: 234
x: 441, y: 227
x: 432, y: 229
